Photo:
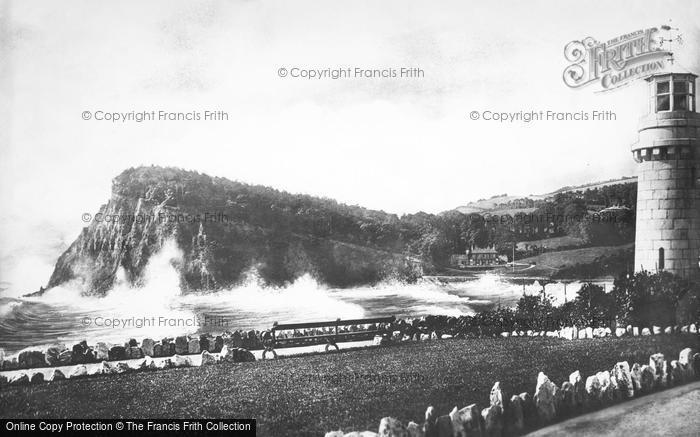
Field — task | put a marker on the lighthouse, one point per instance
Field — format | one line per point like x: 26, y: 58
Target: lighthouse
x: 668, y: 192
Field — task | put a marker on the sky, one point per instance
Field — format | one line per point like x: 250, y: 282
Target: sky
x: 397, y: 144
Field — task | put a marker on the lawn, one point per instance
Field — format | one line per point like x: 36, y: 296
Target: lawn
x: 351, y: 389
x: 549, y: 263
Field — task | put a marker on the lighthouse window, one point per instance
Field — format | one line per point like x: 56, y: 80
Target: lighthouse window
x: 680, y: 87
x: 682, y: 96
x: 662, y: 260
x: 663, y: 96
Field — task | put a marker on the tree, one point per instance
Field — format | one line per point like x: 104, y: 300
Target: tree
x: 646, y: 299
x: 593, y: 306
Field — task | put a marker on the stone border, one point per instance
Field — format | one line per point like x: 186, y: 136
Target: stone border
x: 59, y: 355
x: 232, y: 355
x: 525, y: 412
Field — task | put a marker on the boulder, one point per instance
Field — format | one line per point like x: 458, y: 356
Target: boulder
x: 646, y: 332
x: 101, y: 351
x: 236, y: 355
x: 236, y: 339
x: 493, y: 421
x: 53, y: 353
x: 134, y: 353
x: 544, y: 399
x: 122, y: 367
x: 589, y: 332
x: 56, y: 375
x: 693, y: 329
x: 181, y: 345
x: 117, y: 353
x: 78, y: 353
x: 496, y: 396
x: 444, y: 426
x: 29, y: 358
x: 656, y: 330
x: 514, y: 421
x: 567, y: 404
x: 338, y: 433
x: 37, y: 378
x: 684, y: 329
x: 636, y: 377
x: 78, y: 371
x: 622, y: 375
x: 657, y: 364
x: 413, y: 430
x: 147, y: 363
x: 19, y: 378
x: 530, y: 415
x: 685, y: 358
x: 677, y: 373
x: 164, y: 364
x: 579, y: 387
x: 208, y: 359
x: 147, y: 346
x: 158, y: 350
x: 620, y: 332
x: 607, y: 390
x: 647, y: 379
x: 167, y: 347
x: 466, y: 421
x: 668, y: 330
x: 205, y: 344
x: 629, y: 329
x: 390, y: 427
x: 89, y: 356
x: 180, y: 361
x: 104, y: 368
x: 10, y: 363
x: 430, y: 424
x: 593, y: 387
x: 635, y: 331
x: 218, y: 344
x: 193, y: 346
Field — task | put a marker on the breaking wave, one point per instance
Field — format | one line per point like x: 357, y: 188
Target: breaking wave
x: 63, y: 314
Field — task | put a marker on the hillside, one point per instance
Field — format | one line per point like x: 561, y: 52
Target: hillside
x: 224, y: 228
x: 512, y: 204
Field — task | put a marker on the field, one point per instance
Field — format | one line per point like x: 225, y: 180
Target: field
x: 352, y: 390
x: 549, y: 263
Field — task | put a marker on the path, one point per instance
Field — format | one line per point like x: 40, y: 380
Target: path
x: 672, y: 412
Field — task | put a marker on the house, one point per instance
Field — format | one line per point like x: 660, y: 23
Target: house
x: 476, y: 256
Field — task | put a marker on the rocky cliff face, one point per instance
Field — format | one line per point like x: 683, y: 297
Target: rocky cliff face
x: 223, y: 229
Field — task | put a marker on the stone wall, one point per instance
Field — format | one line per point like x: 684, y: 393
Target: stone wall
x: 514, y: 414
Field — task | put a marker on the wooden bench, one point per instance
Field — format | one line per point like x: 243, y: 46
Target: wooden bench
x: 272, y: 341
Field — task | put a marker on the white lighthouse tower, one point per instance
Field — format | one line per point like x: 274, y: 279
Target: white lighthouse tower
x: 668, y: 193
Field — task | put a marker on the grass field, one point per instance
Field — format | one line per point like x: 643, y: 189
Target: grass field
x: 352, y: 389
x: 550, y: 262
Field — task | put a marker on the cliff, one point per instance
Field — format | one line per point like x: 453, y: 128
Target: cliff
x: 223, y: 229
